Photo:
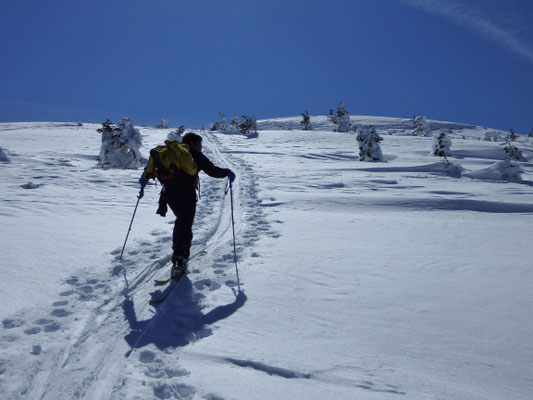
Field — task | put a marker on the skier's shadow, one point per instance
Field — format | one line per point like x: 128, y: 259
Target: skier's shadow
x: 179, y: 320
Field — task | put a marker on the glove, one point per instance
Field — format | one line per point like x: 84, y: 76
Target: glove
x: 143, y: 180
x: 231, y: 176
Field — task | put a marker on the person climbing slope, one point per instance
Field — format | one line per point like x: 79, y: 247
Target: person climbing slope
x: 176, y: 166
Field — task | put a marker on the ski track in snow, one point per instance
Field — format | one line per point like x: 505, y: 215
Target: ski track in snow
x: 100, y: 339
x: 101, y: 329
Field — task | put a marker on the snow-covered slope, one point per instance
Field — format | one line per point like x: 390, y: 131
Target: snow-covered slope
x: 385, y: 125
x: 360, y: 280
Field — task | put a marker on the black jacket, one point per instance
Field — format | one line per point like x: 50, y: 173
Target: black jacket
x: 184, y: 185
x: 204, y: 164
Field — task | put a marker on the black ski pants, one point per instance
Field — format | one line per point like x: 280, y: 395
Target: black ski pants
x: 184, y: 208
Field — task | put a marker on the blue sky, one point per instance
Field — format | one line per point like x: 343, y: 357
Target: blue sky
x: 457, y: 60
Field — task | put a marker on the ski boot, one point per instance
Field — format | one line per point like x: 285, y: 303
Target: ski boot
x: 179, y: 268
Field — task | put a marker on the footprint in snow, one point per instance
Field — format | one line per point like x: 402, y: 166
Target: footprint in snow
x: 60, y: 312
x: 166, y: 391
x: 12, y: 323
x: 49, y: 325
x: 36, y: 349
x: 147, y: 357
x: 206, y: 283
x: 53, y: 327
x: 85, y: 290
x: 72, y: 281
x: 32, y: 331
x: 117, y: 269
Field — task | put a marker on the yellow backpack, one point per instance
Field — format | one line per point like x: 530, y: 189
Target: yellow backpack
x: 174, y: 156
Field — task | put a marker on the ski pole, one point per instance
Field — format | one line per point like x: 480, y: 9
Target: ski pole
x: 139, y: 197
x: 233, y: 230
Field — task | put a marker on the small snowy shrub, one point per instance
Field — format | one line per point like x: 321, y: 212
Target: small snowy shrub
x: 452, y: 169
x: 3, y: 155
x: 505, y: 170
x: 219, y: 125
x: 175, y: 135
x: 30, y: 185
x: 441, y: 145
x: 235, y: 123
x: 421, y: 126
x: 492, y: 136
x: 164, y: 124
x: 306, y: 122
x: 332, y: 117
x: 369, y: 148
x: 120, y: 145
x: 513, y: 153
x: 509, y: 171
x: 248, y: 126
x: 341, y: 119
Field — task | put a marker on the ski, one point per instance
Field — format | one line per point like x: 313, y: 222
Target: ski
x: 160, y: 296
x: 165, y: 281
x: 162, y: 282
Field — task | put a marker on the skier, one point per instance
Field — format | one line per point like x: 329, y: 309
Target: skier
x: 179, y: 192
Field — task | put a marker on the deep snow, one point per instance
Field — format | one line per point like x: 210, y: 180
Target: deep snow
x: 402, y: 278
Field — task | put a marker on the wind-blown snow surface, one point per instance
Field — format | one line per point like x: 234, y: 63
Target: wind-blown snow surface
x: 360, y: 280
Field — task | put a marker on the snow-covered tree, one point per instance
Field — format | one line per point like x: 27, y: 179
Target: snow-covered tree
x: 509, y: 170
x: 108, y: 127
x: 513, y: 153
x: 421, y: 126
x: 332, y: 118
x: 341, y: 110
x: 306, y: 122
x: 164, y: 124
x: 341, y: 119
x: 512, y: 135
x: 235, y: 122
x: 220, y: 125
x: 441, y: 145
x: 120, y: 145
x: 369, y: 147
x: 493, y: 136
x: 505, y: 169
x: 248, y: 125
x: 175, y: 135
x: 3, y: 155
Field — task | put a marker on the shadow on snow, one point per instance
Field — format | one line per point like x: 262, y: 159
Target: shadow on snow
x: 178, y: 321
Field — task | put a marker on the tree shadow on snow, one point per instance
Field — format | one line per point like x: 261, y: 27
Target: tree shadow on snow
x: 178, y: 321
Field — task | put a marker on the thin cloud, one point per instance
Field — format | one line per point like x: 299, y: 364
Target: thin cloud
x: 473, y: 19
